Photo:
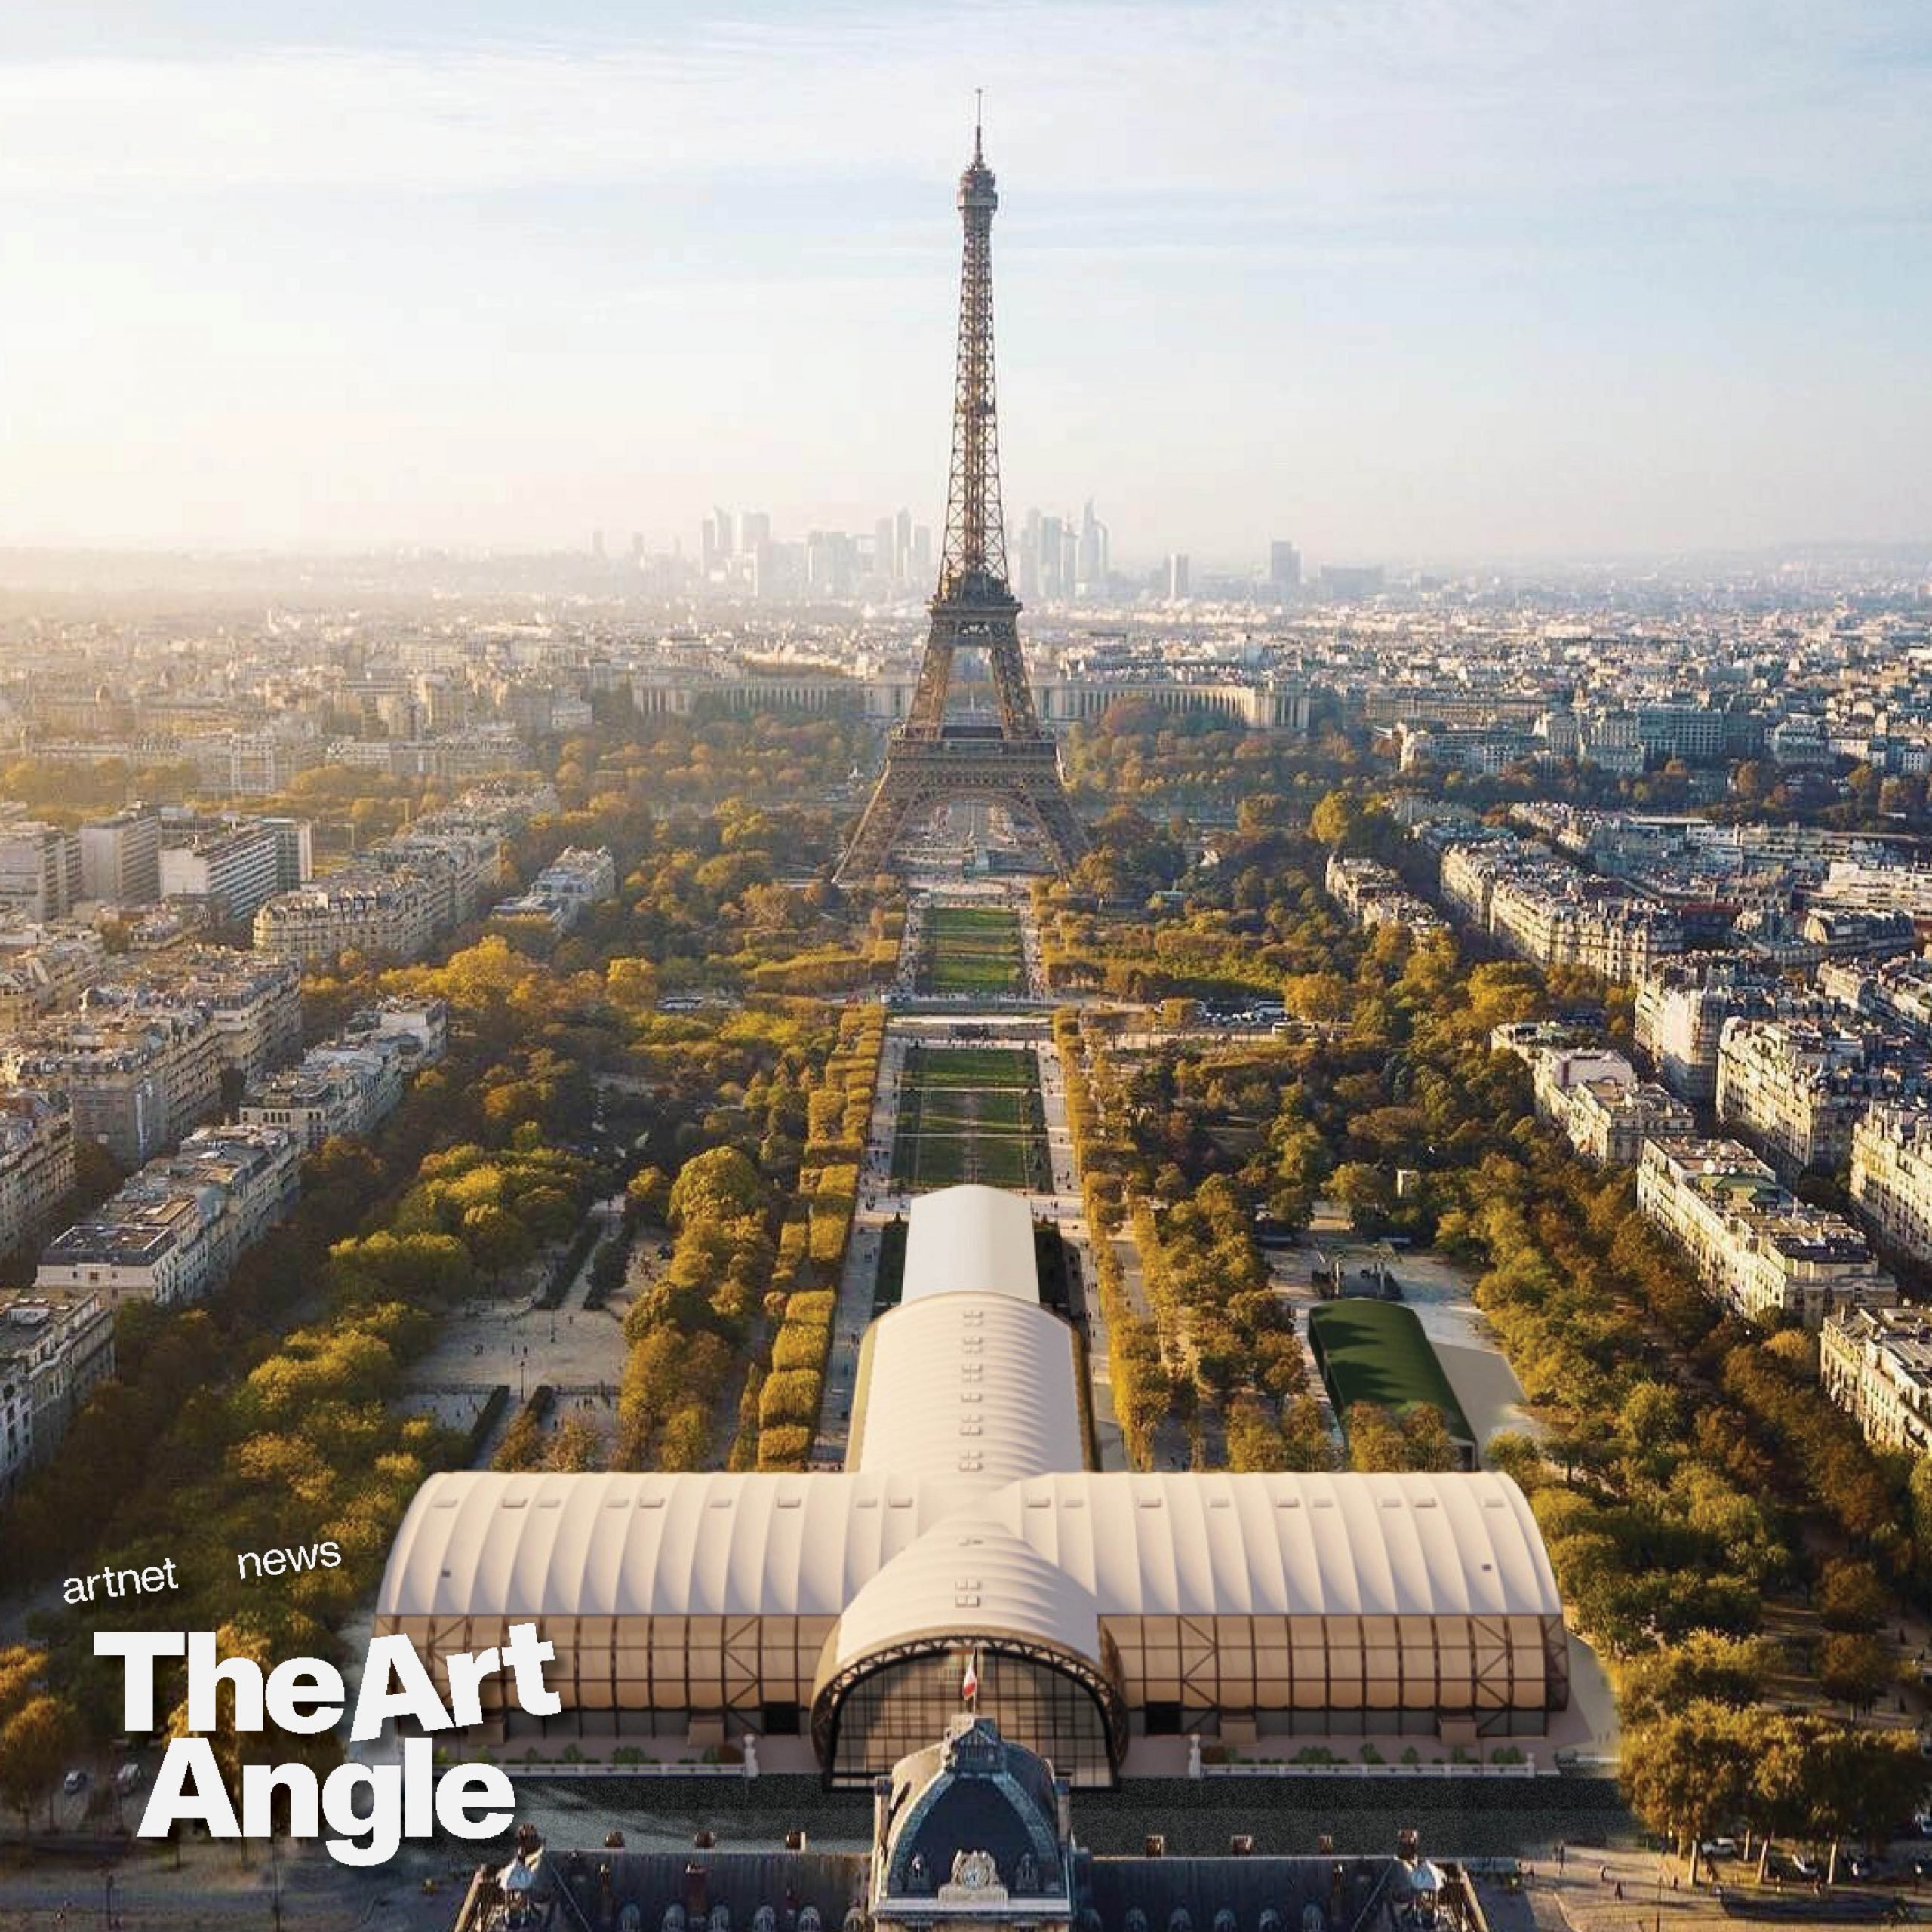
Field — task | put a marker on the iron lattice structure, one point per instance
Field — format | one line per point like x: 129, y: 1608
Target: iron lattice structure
x: 1013, y: 763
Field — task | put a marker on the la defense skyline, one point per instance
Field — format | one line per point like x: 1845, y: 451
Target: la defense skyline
x: 1055, y: 557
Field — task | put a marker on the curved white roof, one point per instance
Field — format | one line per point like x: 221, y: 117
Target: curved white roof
x: 967, y: 1573
x: 972, y: 1240
x: 1212, y: 1545
x: 685, y: 1545
x: 981, y: 1387
x: 884, y: 1550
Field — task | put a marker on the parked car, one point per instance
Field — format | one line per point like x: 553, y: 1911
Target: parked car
x: 1719, y: 1848
x: 73, y: 1781
x: 127, y: 1776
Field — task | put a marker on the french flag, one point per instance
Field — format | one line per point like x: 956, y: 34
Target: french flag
x: 969, y: 1684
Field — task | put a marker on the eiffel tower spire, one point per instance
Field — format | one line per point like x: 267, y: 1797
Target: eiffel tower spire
x: 975, y: 552
x: 929, y: 762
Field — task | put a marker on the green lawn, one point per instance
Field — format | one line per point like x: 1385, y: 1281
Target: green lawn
x: 1377, y: 1352
x: 967, y: 1109
x: 944, y: 1160
x: 972, y: 949
x: 972, y: 1066
x: 969, y: 1114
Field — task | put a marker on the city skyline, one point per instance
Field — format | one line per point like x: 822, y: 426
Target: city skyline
x: 1517, y: 281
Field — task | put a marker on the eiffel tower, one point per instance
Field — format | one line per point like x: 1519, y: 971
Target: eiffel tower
x: 929, y: 762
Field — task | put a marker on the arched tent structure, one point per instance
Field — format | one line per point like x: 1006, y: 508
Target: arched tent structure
x: 968, y: 1527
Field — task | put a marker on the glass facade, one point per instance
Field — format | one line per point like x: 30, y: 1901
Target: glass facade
x: 901, y: 1705
x: 1317, y: 1675
x: 700, y: 1665
x: 1347, y: 1675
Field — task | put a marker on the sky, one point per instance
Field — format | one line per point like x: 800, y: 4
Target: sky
x: 1392, y: 278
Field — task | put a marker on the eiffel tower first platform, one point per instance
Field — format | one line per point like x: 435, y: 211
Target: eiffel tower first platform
x: 929, y: 762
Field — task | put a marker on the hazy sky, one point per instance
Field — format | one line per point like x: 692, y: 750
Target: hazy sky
x: 1389, y: 277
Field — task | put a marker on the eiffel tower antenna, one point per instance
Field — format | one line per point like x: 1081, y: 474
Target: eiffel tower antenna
x: 930, y: 762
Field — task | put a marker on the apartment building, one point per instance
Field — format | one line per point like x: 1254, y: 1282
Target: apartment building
x: 138, y: 1077
x: 121, y: 858
x: 1755, y: 1247
x: 1608, y: 1121
x: 352, y: 1082
x: 1898, y: 991
x: 250, y: 764
x: 234, y: 867
x: 36, y: 1162
x: 1591, y: 1095
x: 253, y: 1003
x: 420, y: 1026
x: 1891, y: 1176
x: 1797, y: 1088
x: 40, y: 870
x: 1371, y: 895
x: 173, y: 1232
x: 1557, y: 917
x: 388, y: 916
x: 1682, y: 1005
x: 1876, y: 1364
x: 1546, y: 912
x: 55, y: 1345
x: 461, y: 869
x: 406, y: 890
x: 576, y: 879
x: 45, y: 966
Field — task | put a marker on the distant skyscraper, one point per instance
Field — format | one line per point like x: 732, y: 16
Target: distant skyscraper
x: 1092, y: 568
x: 1053, y: 575
x: 754, y: 528
x: 637, y: 546
x: 901, y: 547
x: 707, y: 545
x: 1284, y: 565
x: 722, y: 519
x: 1177, y: 576
x: 597, y: 545
x: 1029, y: 557
x: 922, y: 553
x: 882, y: 547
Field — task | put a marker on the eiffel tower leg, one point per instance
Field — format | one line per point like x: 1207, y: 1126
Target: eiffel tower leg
x: 898, y: 796
x: 1053, y: 811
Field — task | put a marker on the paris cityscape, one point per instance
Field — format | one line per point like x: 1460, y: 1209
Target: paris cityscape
x: 1031, y: 1164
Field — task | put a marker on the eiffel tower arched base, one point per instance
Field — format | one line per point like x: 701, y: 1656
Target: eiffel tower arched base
x: 1022, y: 775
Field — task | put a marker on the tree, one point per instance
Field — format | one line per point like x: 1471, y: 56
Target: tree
x: 1725, y: 1670
x: 1426, y: 1442
x: 1376, y: 1441
x: 1336, y: 820
x: 1689, y: 1771
x: 34, y: 1742
x: 1367, y: 1192
x: 496, y: 1238
x: 719, y: 1185
x: 632, y: 984
x: 1850, y: 1598
x: 1855, y: 1667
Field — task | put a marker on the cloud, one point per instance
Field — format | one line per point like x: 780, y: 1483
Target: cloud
x: 1413, y: 109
